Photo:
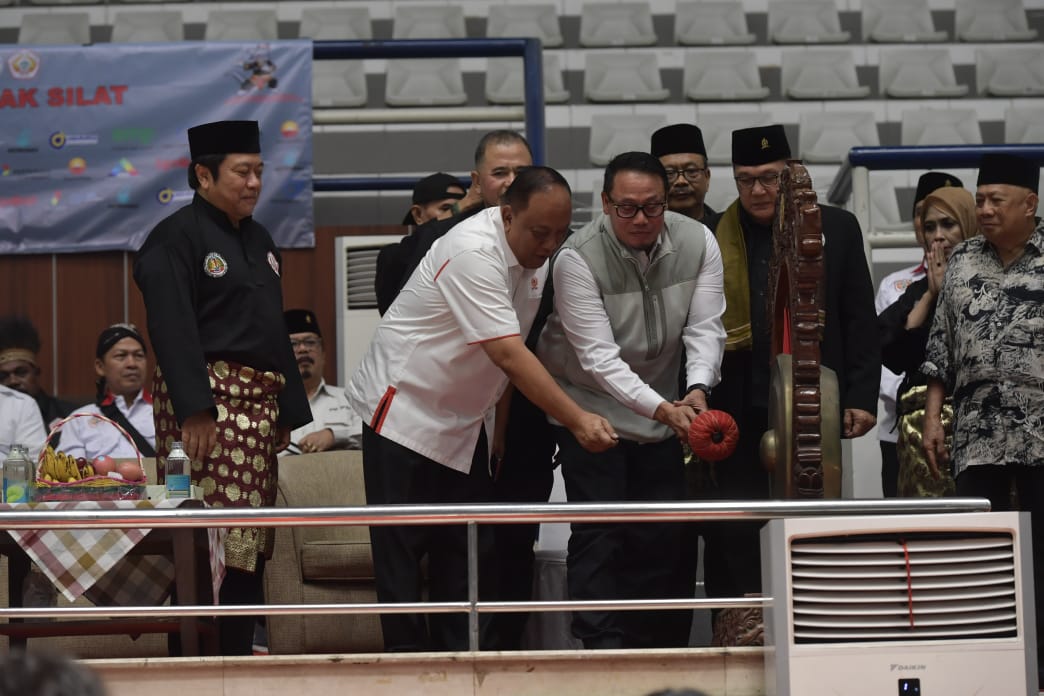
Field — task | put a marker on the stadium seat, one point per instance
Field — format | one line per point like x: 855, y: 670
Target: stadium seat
x: 711, y: 24
x: 996, y: 20
x: 900, y: 21
x: 722, y: 76
x: 1024, y: 125
x: 918, y: 73
x: 427, y: 82
x: 505, y: 81
x: 717, y: 131
x: 616, y: 24
x: 336, y: 23
x: 821, y: 74
x: 58, y: 28
x: 805, y: 22
x: 130, y: 26
x: 338, y: 83
x: 241, y: 25
x: 428, y: 22
x: 826, y: 136
x: 1010, y: 71
x: 884, y: 206
x: 623, y: 77
x: 60, y: 2
x: 940, y: 127
x: 613, y: 134
x: 537, y: 21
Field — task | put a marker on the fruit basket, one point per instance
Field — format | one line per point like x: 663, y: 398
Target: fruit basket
x: 60, y: 477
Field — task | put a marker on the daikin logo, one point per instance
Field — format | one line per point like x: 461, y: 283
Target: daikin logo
x: 908, y: 668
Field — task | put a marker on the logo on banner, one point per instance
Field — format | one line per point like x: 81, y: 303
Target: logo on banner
x: 23, y: 65
x: 132, y: 138
x: 23, y: 143
x: 214, y: 265
x: 273, y: 262
x: 123, y: 168
x: 166, y: 196
x: 56, y: 198
x: 77, y: 165
x: 289, y: 129
x: 166, y: 165
x: 60, y: 139
x: 7, y: 170
x: 123, y: 200
x: 257, y: 72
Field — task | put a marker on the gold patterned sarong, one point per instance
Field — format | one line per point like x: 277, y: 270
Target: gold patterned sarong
x: 241, y: 470
x: 915, y: 479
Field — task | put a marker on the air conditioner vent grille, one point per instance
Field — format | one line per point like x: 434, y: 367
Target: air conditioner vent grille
x: 914, y: 586
x: 360, y: 271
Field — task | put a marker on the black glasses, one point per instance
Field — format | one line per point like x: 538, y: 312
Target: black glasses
x: 309, y: 343
x: 770, y: 180
x: 629, y: 210
x: 690, y: 173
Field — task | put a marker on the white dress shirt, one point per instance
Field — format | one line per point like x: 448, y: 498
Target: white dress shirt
x: 20, y: 423
x: 91, y: 437
x: 330, y: 409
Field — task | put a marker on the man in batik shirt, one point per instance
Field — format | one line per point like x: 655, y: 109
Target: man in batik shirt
x: 986, y: 348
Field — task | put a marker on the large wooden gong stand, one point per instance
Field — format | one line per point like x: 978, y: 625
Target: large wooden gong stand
x: 803, y: 445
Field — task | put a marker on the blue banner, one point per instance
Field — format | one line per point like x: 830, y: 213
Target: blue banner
x: 93, y: 145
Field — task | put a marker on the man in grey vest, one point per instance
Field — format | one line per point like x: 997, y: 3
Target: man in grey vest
x: 635, y: 290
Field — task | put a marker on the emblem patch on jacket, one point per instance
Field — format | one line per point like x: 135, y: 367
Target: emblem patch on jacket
x: 273, y: 262
x: 214, y: 265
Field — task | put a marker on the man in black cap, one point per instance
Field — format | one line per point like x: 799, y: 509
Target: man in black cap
x: 20, y: 369
x: 744, y: 233
x: 435, y: 197
x: 986, y: 348
x: 334, y: 424
x: 226, y: 382
x: 891, y: 288
x: 682, y: 153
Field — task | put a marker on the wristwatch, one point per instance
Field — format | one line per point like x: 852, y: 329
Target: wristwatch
x: 702, y: 387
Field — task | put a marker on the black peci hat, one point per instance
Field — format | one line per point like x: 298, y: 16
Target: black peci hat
x: 760, y: 145
x: 224, y: 137
x: 1009, y: 169
x: 678, y: 138
x: 301, y: 321
x: 930, y: 181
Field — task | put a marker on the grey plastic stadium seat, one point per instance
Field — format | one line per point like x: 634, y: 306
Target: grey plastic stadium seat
x: 60, y: 2
x: 717, y: 131
x: 428, y: 22
x: 338, y: 83
x: 1024, y: 125
x: 884, y: 205
x: 623, y: 77
x: 613, y: 134
x: 58, y: 28
x: 821, y: 74
x: 899, y: 21
x: 722, y: 76
x: 827, y: 136
x: 1010, y: 71
x: 805, y: 22
x: 711, y: 24
x: 530, y: 21
x: 505, y: 81
x: 940, y: 127
x: 425, y: 82
x: 996, y: 20
x: 336, y: 24
x: 241, y: 25
x: 923, y: 72
x: 130, y: 26
x: 616, y: 24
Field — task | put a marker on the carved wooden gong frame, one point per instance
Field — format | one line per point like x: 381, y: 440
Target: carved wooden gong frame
x: 803, y: 445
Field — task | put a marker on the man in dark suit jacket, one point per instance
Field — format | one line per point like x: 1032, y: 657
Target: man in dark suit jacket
x: 849, y: 346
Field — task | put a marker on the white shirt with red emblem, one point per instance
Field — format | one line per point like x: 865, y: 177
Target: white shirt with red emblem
x: 93, y: 437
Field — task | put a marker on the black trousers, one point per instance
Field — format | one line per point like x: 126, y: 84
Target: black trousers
x: 634, y: 560
x: 236, y: 633
x: 996, y: 484
x: 394, y: 475
x: 889, y: 469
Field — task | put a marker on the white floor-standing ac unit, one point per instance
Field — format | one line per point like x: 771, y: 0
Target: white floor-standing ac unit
x: 913, y: 605
x: 357, y: 316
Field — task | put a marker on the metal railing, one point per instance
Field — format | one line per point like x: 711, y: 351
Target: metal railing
x: 472, y: 515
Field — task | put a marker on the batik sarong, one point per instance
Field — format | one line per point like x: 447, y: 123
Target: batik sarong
x: 241, y: 470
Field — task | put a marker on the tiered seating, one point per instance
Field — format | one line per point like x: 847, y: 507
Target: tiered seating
x: 612, y: 134
x: 147, y: 26
x: 505, y: 81
x: 919, y: 73
x: 623, y: 77
x: 337, y: 83
x: 723, y: 76
x: 826, y: 137
x: 1010, y: 71
x: 616, y: 24
x: 805, y: 22
x: 711, y: 24
x: 1024, y: 125
x: 900, y: 21
x: 242, y: 25
x: 940, y: 127
x: 58, y: 28
x: 825, y: 74
x: 539, y: 21
x: 997, y: 20
x: 429, y: 81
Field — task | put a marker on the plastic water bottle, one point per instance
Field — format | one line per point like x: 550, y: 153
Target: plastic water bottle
x: 177, y: 475
x: 19, y: 476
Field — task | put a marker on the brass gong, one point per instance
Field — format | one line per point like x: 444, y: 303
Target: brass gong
x: 802, y: 448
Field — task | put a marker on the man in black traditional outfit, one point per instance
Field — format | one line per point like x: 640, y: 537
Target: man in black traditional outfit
x: 226, y: 382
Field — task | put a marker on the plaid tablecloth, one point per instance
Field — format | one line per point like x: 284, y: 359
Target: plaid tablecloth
x: 95, y: 561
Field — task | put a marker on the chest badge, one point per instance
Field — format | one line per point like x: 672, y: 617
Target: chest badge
x: 273, y: 262
x: 214, y: 265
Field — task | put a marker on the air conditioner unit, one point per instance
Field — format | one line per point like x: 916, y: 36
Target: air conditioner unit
x: 357, y: 316
x: 928, y: 605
